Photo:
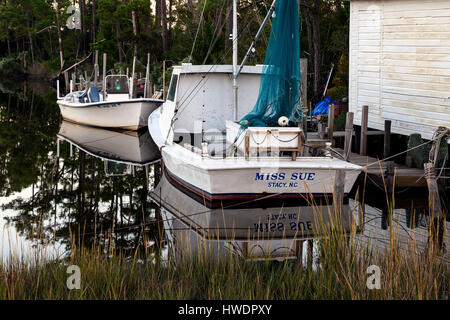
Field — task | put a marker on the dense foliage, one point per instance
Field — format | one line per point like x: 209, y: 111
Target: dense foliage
x: 171, y: 30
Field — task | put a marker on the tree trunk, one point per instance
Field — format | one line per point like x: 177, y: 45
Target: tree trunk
x: 8, y: 40
x: 229, y: 26
x: 82, y: 15
x: 119, y: 42
x: 170, y: 12
x: 158, y: 14
x: 164, y: 33
x: 58, y: 24
x: 94, y: 24
x: 317, y: 48
x: 30, y: 38
x: 83, y: 27
x: 311, y: 14
x: 135, y: 31
x: 149, y: 21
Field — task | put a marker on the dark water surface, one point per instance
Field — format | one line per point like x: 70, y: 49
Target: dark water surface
x: 99, y: 187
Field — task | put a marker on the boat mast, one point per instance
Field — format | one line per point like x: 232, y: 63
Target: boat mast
x: 235, y: 62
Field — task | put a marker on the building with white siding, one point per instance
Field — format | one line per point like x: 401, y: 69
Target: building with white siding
x: 400, y: 64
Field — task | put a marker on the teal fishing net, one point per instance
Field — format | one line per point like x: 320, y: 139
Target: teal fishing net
x: 279, y: 92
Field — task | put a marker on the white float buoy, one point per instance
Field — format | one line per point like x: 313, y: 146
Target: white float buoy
x: 283, y: 121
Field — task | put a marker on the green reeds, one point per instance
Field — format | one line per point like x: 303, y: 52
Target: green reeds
x: 340, y: 272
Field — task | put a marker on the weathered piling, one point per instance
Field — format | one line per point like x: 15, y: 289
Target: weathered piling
x: 330, y: 129
x: 104, y: 74
x: 164, y: 80
x: 387, y: 139
x: 147, y: 80
x: 310, y: 258
x: 390, y: 205
x: 132, y: 86
x: 364, y: 124
x: 299, y: 251
x: 340, y: 174
x: 436, y: 228
x: 348, y: 135
x: 96, y: 69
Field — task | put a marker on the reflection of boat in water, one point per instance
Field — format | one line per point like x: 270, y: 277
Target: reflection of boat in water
x: 119, y: 150
x: 112, y: 108
x: 274, y: 232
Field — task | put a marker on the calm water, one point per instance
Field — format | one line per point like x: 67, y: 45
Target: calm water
x: 59, y: 180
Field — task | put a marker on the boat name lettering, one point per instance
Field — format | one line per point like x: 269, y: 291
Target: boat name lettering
x: 280, y: 226
x: 281, y: 176
x: 281, y: 216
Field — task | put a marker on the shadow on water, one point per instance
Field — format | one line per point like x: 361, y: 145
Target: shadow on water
x: 68, y: 184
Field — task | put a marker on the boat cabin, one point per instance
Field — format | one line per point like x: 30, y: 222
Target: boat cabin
x: 117, y: 88
x: 201, y: 97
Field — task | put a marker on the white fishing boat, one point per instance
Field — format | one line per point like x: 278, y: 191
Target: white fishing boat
x: 114, y: 107
x: 210, y: 154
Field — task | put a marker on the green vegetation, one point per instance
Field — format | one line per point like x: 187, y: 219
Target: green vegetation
x: 35, y: 33
x: 342, y: 274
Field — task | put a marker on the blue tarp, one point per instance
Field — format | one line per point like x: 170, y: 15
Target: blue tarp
x: 321, y: 107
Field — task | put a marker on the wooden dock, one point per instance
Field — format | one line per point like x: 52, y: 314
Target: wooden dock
x: 403, y: 175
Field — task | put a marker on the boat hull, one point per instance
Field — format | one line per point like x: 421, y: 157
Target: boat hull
x: 127, y: 115
x: 230, y: 182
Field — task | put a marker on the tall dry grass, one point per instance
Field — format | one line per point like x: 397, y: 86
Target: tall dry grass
x: 340, y: 272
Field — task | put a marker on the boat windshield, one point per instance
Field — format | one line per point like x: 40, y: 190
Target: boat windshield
x: 116, y: 84
x: 172, y: 88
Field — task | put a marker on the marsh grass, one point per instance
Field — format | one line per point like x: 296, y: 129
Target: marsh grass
x: 340, y: 273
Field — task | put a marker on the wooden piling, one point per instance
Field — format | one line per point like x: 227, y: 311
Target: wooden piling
x: 104, y: 73
x: 147, y: 80
x: 86, y: 80
x: 164, y: 80
x: 387, y: 139
x: 331, y: 123
x: 74, y: 80
x: 436, y: 229
x: 96, y: 71
x: 389, y: 181
x: 299, y: 251
x: 364, y: 124
x: 132, y: 86
x: 348, y: 135
x: 340, y: 174
x: 309, y: 261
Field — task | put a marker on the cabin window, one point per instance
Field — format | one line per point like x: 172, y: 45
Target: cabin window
x: 116, y: 84
x: 173, y: 88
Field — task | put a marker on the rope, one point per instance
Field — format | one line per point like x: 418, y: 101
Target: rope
x: 296, y: 137
x: 253, y: 138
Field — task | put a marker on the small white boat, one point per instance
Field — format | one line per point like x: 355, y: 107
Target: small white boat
x: 111, y: 108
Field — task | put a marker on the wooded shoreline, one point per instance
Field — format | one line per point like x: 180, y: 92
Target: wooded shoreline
x: 39, y: 38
